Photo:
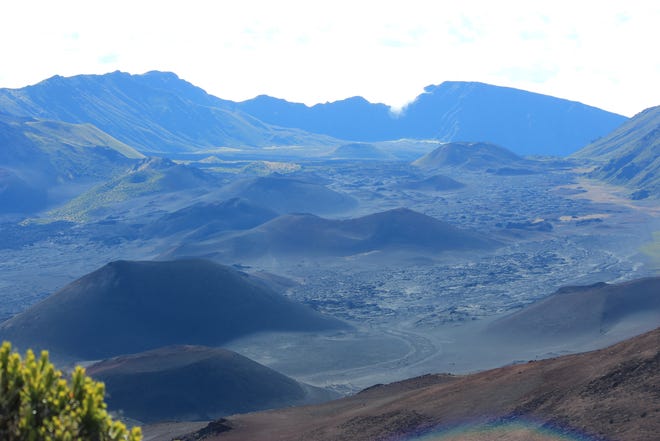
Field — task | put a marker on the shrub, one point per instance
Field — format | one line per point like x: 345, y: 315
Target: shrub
x: 37, y: 404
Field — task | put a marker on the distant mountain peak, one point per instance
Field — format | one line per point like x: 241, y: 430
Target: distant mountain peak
x: 155, y: 112
x: 161, y: 74
x: 159, y: 112
x: 525, y: 122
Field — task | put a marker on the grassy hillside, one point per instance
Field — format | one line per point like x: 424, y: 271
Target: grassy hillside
x: 629, y: 155
x: 39, y: 154
x: 61, y: 145
x: 153, y: 176
x: 652, y: 251
x: 77, y: 135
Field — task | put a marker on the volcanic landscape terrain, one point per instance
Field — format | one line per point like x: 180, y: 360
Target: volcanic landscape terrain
x: 329, y: 259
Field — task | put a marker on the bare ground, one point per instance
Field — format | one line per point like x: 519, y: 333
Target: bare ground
x: 611, y: 394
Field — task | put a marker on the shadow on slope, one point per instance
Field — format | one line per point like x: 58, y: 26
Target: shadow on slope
x: 153, y: 112
x: 18, y: 195
x: 128, y: 307
x: 204, y: 219
x: 433, y: 183
x: 605, y: 394
x: 150, y: 177
x: 584, y: 313
x: 311, y: 236
x: 470, y: 155
x: 288, y: 195
x: 196, y: 383
x: 360, y: 151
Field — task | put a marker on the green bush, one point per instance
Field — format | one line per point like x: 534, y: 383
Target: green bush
x: 37, y: 404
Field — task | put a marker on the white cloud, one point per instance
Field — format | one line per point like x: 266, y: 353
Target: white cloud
x: 600, y: 53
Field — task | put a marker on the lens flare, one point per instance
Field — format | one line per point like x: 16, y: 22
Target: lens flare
x: 510, y: 431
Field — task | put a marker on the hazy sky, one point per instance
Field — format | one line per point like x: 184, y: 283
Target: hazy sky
x: 603, y: 53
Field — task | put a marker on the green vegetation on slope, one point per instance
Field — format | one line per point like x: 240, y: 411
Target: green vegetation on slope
x: 77, y: 135
x: 61, y: 151
x: 100, y: 199
x: 39, y: 155
x: 629, y: 155
x: 37, y: 404
x: 153, y: 175
x: 652, y: 250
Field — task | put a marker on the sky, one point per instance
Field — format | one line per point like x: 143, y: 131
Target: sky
x: 602, y: 53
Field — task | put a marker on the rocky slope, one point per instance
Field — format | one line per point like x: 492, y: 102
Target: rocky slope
x: 607, y: 394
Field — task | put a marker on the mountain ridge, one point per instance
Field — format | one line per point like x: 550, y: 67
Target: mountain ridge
x: 452, y: 111
x: 156, y: 112
x: 159, y: 112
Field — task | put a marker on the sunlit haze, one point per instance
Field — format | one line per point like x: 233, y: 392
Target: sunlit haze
x: 599, y: 53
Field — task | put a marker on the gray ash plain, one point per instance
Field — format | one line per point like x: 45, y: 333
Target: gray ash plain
x: 586, y: 242
x: 411, y: 310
